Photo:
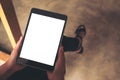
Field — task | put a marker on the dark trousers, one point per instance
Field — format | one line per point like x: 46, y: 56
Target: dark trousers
x: 69, y: 44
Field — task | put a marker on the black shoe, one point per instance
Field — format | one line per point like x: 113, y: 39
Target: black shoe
x: 80, y: 31
x: 80, y: 34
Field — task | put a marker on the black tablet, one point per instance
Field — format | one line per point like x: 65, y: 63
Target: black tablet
x: 42, y: 39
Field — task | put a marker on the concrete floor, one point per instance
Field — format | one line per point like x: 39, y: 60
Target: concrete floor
x: 101, y: 58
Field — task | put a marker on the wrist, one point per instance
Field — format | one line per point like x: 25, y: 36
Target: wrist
x: 5, y: 71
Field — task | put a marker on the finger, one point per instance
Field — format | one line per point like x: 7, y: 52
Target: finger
x: 60, y: 64
x: 61, y: 57
x: 18, y: 67
x: 15, y: 50
x: 14, y: 54
x: 12, y: 60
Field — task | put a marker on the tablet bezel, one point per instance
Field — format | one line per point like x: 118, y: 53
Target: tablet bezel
x: 33, y: 63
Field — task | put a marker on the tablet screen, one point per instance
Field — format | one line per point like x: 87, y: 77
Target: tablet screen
x: 42, y: 39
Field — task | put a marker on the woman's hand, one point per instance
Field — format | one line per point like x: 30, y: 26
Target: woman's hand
x: 59, y: 71
x: 10, y: 66
x: 13, y: 57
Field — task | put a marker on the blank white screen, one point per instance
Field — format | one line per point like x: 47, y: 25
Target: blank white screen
x: 42, y: 39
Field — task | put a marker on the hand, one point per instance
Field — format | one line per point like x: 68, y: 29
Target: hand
x: 13, y: 57
x: 10, y: 66
x: 59, y: 71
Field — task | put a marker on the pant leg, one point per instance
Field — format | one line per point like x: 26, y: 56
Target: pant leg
x: 70, y: 44
x: 29, y: 73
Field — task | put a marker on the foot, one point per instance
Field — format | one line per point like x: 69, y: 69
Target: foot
x: 80, y: 34
x: 80, y: 31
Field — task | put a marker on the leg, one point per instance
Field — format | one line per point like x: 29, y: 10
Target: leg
x: 29, y: 73
x: 75, y: 44
x: 70, y: 44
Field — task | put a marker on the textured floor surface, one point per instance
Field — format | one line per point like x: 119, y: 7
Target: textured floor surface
x: 101, y: 57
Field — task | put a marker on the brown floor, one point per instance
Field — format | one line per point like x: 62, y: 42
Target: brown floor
x: 101, y: 58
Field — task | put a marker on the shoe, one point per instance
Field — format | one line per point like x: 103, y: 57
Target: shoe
x: 80, y: 31
x: 80, y: 34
